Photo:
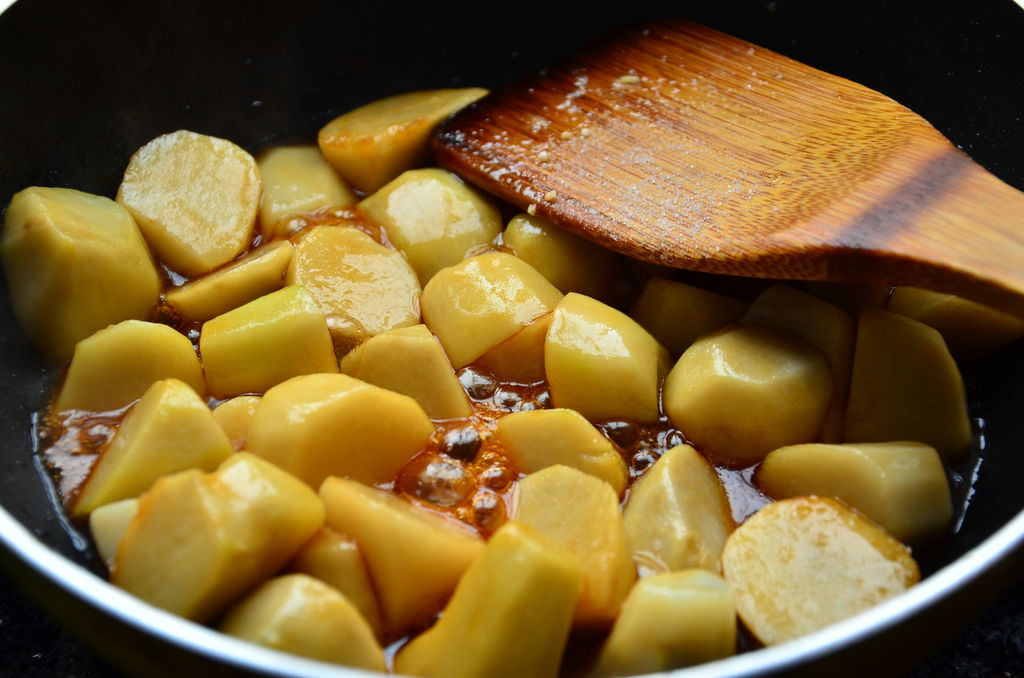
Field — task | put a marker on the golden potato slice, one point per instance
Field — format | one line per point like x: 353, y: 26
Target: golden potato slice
x: 337, y: 560
x: 362, y: 287
x: 581, y: 513
x: 234, y: 416
x: 107, y: 525
x: 970, y: 329
x: 169, y: 430
x: 677, y: 313
x: 75, y: 263
x: 302, y: 615
x: 670, y: 621
x: 742, y: 392
x: 479, y: 303
x: 199, y: 541
x: 373, y: 144
x: 265, y: 342
x: 521, y: 356
x: 297, y: 180
x: 601, y: 363
x: 509, y: 616
x: 569, y: 262
x: 901, y: 486
x: 258, y: 273
x: 434, y: 218
x: 800, y: 564
x: 822, y: 325
x: 537, y: 439
x: 320, y: 425
x: 678, y: 515
x: 410, y: 361
x: 905, y: 386
x: 195, y: 198
x: 415, y: 557
x: 118, y: 364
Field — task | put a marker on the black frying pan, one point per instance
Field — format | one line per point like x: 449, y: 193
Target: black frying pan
x: 82, y: 85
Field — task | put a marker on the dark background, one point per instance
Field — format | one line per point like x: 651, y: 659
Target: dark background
x: 82, y: 85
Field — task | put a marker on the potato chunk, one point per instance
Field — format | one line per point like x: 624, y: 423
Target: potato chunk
x: 537, y: 439
x: 479, y: 303
x: 320, y: 425
x: 195, y: 198
x: 510, y: 614
x: 373, y: 144
x: 410, y: 361
x: 822, y: 325
x: 677, y: 313
x: 521, y: 356
x: 670, y: 621
x: 415, y: 558
x: 337, y: 560
x: 116, y: 365
x: 107, y: 525
x: 970, y: 329
x: 234, y: 416
x: 258, y: 273
x: 581, y: 513
x: 601, y: 363
x: 677, y: 516
x: 297, y: 180
x: 569, y: 262
x: 800, y: 564
x: 75, y: 263
x: 302, y: 615
x: 901, y: 486
x: 362, y: 287
x: 265, y: 342
x: 742, y: 392
x: 434, y: 218
x: 169, y: 430
x: 905, y: 386
x: 200, y: 541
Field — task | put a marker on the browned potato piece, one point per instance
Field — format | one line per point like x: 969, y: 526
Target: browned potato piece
x: 537, y: 439
x: 521, y: 356
x: 169, y: 430
x: 302, y: 615
x: 677, y: 313
x: 569, y: 262
x: 373, y: 144
x: 823, y: 326
x: 297, y: 180
x: 415, y: 558
x: 410, y: 361
x: 677, y: 516
x: 510, y: 614
x: 479, y: 303
x: 319, y: 425
x: 195, y: 197
x: 199, y: 541
x: 257, y: 273
x: 234, y: 416
x: 905, y: 386
x: 742, y: 392
x: 971, y: 330
x: 265, y: 342
x: 75, y: 263
x: 337, y: 560
x: 800, y: 564
x: 118, y: 364
x: 434, y: 218
x: 601, y: 363
x: 581, y: 513
x: 669, y: 621
x: 362, y: 287
x: 901, y: 486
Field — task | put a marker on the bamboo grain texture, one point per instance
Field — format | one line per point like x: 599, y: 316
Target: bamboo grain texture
x: 676, y: 144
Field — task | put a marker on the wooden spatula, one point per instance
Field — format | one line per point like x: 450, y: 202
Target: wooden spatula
x: 680, y: 145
